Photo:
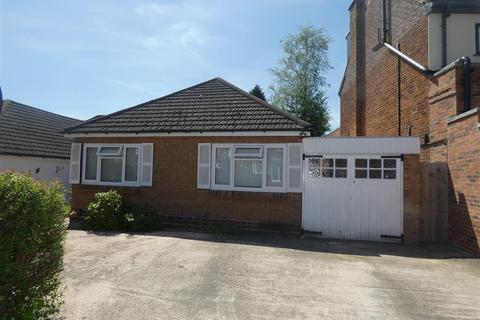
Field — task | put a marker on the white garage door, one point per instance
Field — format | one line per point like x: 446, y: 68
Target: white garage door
x: 358, y: 197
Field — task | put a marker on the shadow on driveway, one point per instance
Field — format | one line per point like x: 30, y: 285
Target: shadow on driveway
x: 292, y: 242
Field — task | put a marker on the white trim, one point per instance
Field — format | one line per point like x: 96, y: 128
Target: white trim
x: 74, y: 166
x: 193, y: 134
x: 231, y: 186
x: 361, y: 145
x: 206, y: 165
x: 99, y: 165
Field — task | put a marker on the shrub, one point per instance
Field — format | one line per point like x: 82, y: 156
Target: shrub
x: 105, y: 212
x: 32, y: 234
x: 109, y: 211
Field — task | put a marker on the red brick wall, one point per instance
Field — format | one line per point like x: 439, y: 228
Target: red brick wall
x: 174, y: 190
x: 348, y: 108
x: 464, y: 184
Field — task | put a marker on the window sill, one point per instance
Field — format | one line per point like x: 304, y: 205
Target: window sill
x: 465, y: 114
x: 250, y: 190
x: 109, y: 184
x: 246, y: 194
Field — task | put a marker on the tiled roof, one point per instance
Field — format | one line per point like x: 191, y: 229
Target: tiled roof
x: 28, y: 131
x: 214, y: 105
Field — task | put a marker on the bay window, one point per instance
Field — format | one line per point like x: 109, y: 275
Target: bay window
x: 248, y: 167
x: 111, y: 164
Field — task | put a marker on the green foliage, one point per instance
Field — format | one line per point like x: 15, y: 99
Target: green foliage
x: 300, y: 78
x: 32, y: 234
x: 109, y: 211
x: 258, y: 92
x: 105, y: 212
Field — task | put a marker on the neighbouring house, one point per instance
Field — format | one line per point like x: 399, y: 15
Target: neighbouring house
x: 334, y: 133
x: 414, y: 70
x: 32, y: 140
x: 211, y: 151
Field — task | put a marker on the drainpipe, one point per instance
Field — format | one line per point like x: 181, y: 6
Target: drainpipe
x: 467, y: 83
x: 444, y: 38
x: 384, y: 17
x: 399, y: 93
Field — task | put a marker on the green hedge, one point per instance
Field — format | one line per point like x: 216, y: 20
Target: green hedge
x: 32, y: 234
x: 109, y: 211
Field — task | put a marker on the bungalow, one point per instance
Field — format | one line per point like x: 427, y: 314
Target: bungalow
x: 31, y: 140
x: 210, y: 151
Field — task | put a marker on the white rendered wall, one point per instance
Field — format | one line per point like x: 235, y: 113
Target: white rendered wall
x: 460, y: 38
x: 41, y: 168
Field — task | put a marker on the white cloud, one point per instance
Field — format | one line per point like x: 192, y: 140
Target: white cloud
x: 155, y: 9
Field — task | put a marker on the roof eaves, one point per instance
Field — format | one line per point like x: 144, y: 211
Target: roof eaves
x: 453, y: 6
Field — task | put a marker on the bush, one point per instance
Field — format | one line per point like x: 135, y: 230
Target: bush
x: 109, y: 211
x: 32, y: 234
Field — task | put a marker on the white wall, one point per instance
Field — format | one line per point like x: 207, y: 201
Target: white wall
x: 40, y: 168
x: 460, y: 38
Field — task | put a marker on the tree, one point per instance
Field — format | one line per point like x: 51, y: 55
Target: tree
x: 299, y: 80
x: 258, y: 92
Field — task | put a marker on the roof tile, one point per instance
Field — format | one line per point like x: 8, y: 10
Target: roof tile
x: 214, y: 105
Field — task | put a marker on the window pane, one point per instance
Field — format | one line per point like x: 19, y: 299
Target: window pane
x: 274, y: 167
x: 314, y: 167
x: 340, y: 173
x: 248, y: 153
x: 360, y: 174
x: 131, y: 164
x: 375, y: 163
x: 248, y: 173
x: 360, y: 163
x: 375, y: 174
x: 222, y: 166
x: 110, y: 151
x: 327, y: 163
x: 341, y: 163
x: 389, y: 174
x: 389, y: 163
x: 111, y: 170
x: 327, y: 173
x: 91, y: 163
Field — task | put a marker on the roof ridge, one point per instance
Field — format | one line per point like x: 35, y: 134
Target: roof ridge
x: 94, y: 119
x: 265, y: 103
x: 13, y: 102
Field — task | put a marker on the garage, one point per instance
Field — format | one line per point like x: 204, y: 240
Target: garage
x: 353, y: 187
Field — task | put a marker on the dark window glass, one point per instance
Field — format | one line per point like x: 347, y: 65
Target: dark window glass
x: 389, y: 174
x: 327, y: 163
x: 327, y: 173
x: 375, y: 174
x: 375, y: 163
x: 360, y: 163
x: 360, y: 174
x: 389, y: 163
x: 340, y: 173
x: 341, y: 163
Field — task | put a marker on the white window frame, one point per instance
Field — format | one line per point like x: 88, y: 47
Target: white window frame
x: 264, y: 187
x: 99, y: 167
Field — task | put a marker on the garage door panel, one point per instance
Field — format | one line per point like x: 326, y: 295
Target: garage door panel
x: 334, y: 213
x: 351, y: 208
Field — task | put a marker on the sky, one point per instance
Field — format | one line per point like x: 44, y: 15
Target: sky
x: 91, y: 57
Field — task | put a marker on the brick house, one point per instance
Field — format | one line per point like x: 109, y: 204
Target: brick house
x: 414, y: 70
x: 211, y: 151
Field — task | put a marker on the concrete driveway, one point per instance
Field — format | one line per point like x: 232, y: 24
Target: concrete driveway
x: 176, y: 275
